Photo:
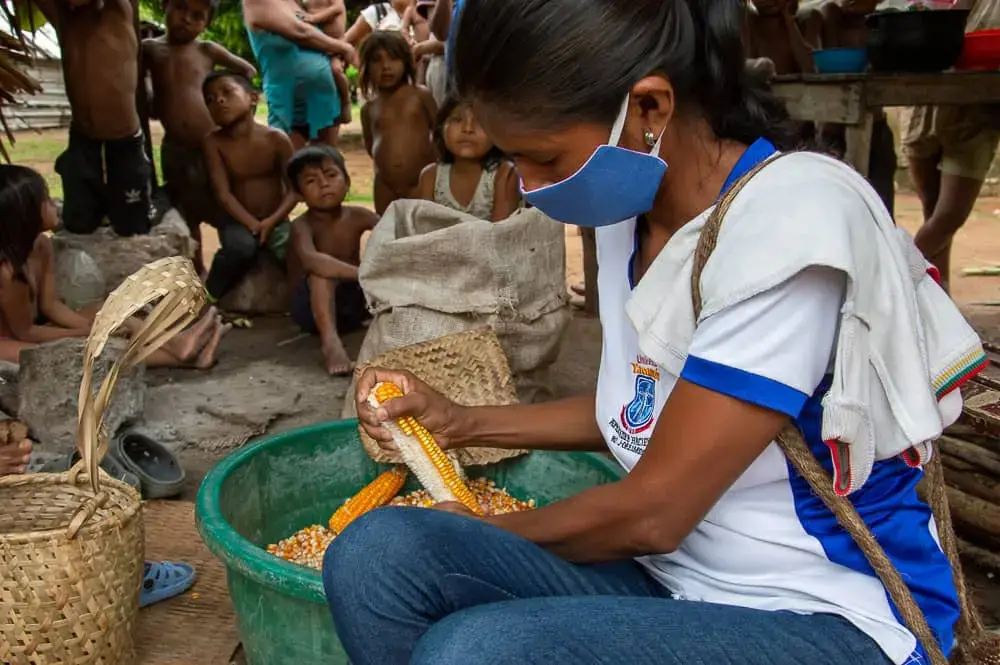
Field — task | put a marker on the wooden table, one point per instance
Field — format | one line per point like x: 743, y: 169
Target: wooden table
x: 852, y: 100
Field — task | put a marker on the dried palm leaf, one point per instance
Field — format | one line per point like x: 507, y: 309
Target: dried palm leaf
x: 15, y: 53
x: 175, y: 284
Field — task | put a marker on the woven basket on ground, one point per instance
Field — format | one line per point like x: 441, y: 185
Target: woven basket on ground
x: 974, y: 645
x: 469, y: 368
x: 71, y: 544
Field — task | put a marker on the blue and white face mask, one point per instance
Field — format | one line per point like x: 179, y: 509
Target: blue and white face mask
x: 615, y: 184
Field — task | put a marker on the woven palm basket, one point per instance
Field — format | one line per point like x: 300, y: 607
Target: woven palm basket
x: 71, y: 544
x: 469, y: 368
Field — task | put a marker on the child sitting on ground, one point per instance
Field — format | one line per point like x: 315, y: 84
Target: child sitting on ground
x: 776, y: 32
x: 844, y: 27
x: 179, y: 62
x: 471, y: 175
x: 31, y: 312
x: 398, y: 121
x: 330, y: 16
x: 246, y: 162
x: 326, y: 249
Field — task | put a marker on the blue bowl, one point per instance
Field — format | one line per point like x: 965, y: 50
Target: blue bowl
x: 841, y: 60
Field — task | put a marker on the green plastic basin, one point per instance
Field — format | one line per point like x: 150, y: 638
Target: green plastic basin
x: 274, y: 487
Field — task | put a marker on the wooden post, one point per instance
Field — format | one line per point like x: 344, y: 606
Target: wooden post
x: 590, y: 270
x: 142, y: 102
x: 859, y: 143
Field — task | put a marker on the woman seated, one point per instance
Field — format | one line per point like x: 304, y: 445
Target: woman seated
x: 636, y: 117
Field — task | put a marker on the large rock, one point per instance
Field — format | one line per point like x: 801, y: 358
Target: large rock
x: 263, y: 290
x: 79, y: 280
x: 117, y: 256
x: 49, y: 383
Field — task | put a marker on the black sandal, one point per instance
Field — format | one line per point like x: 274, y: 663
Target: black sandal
x: 158, y: 470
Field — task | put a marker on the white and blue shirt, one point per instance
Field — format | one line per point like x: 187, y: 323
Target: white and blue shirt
x: 769, y: 543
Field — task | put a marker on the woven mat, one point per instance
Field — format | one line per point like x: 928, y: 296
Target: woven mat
x: 469, y: 368
x: 198, y: 627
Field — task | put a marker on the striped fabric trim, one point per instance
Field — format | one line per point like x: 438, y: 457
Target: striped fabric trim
x: 961, y: 371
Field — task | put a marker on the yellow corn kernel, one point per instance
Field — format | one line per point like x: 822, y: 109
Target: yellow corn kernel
x: 443, y: 465
x: 375, y: 494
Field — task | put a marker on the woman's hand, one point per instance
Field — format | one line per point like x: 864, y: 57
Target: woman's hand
x: 445, y: 420
x: 350, y: 55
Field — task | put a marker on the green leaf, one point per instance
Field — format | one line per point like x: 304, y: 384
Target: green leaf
x: 29, y: 17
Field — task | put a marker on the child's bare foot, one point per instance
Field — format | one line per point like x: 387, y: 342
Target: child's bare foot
x: 14, y: 457
x: 206, y: 358
x: 338, y: 363
x: 189, y: 342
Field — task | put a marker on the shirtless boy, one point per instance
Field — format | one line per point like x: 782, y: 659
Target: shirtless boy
x: 326, y: 252
x: 302, y: 96
x: 775, y: 32
x: 179, y: 62
x: 105, y: 130
x: 246, y: 163
x: 330, y: 16
x: 844, y: 27
x: 398, y: 121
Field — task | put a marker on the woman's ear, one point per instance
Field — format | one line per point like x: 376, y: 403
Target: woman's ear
x: 650, y: 110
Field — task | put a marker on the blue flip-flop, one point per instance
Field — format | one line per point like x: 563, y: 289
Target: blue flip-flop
x: 164, y: 579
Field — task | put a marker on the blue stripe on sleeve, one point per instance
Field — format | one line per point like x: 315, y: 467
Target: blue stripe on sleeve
x: 744, y: 385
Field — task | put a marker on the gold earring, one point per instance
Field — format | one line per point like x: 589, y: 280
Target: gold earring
x: 649, y: 137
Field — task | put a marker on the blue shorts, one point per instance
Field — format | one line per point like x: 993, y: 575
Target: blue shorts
x: 298, y: 84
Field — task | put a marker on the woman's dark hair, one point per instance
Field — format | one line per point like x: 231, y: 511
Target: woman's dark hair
x: 490, y: 159
x: 314, y: 155
x: 555, y: 62
x: 22, y: 193
x: 395, y: 45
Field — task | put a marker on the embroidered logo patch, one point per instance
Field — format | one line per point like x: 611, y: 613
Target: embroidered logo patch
x: 637, y: 415
x: 631, y: 429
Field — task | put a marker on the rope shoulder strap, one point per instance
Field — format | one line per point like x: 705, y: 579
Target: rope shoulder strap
x: 975, y: 645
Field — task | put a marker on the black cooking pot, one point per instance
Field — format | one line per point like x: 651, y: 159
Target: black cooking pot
x: 916, y: 41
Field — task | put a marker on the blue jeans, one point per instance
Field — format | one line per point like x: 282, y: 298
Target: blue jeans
x: 424, y: 587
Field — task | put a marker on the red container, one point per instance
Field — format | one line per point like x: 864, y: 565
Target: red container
x: 981, y: 50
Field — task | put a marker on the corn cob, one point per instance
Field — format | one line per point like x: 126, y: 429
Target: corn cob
x: 436, y: 471
x: 375, y: 494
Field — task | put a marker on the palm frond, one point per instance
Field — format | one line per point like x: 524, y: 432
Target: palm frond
x: 15, y: 54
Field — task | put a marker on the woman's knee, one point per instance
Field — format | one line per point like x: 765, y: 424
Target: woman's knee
x: 509, y: 637
x: 378, y: 546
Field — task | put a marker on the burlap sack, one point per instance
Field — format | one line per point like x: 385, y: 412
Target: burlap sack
x: 469, y: 368
x: 430, y: 271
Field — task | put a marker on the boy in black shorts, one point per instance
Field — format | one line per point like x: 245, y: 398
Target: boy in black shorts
x: 105, y: 169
